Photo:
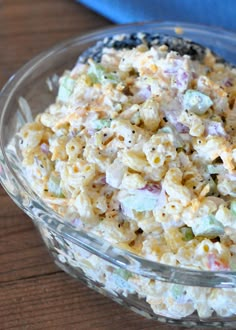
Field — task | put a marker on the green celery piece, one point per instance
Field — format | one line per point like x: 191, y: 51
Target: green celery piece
x: 233, y: 207
x: 196, y: 102
x: 187, y: 233
x: 111, y: 77
x: 208, y: 227
x: 165, y: 129
x: 101, y: 123
x: 54, y: 186
x: 233, y: 266
x: 125, y: 274
x: 66, y: 88
x: 140, y: 203
x: 215, y: 168
x: 232, y: 263
x: 178, y: 142
x: 98, y: 74
x: 177, y: 291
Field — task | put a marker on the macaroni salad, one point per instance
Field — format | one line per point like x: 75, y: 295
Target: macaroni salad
x: 140, y: 150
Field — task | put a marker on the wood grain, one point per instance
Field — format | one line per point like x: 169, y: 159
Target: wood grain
x: 34, y: 293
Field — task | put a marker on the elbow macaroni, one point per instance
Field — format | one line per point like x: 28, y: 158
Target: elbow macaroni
x: 137, y: 168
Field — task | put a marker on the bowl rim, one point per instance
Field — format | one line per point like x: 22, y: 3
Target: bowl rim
x: 39, y: 211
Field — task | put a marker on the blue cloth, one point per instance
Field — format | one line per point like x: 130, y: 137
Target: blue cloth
x: 220, y: 13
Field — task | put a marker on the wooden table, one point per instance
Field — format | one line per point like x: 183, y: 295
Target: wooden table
x: 34, y: 293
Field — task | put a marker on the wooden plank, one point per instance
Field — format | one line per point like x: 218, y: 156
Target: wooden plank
x: 60, y: 302
x: 29, y: 27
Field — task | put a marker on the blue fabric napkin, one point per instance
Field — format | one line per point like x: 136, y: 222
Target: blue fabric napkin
x: 220, y: 13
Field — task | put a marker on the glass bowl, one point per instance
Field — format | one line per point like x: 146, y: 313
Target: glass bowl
x: 152, y: 289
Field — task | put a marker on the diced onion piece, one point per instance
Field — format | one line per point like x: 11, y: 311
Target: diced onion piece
x: 115, y: 173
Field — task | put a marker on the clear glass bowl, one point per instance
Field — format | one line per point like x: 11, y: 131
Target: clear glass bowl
x: 144, y: 286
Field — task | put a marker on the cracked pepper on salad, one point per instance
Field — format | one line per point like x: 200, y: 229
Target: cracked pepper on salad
x: 140, y: 149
